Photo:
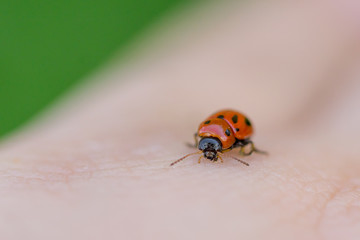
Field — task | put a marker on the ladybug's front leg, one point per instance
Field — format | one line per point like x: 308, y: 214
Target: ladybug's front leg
x: 199, y: 160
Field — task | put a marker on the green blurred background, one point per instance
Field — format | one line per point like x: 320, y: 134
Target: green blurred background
x: 48, y: 46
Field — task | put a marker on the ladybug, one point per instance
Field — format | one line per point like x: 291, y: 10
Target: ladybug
x: 222, y: 132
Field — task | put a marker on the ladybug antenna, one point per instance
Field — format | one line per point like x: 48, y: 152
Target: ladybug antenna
x: 245, y: 163
x: 180, y: 159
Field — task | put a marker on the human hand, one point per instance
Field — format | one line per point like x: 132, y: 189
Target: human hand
x: 98, y: 167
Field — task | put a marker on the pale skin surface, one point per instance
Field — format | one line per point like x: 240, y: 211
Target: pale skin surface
x: 98, y: 167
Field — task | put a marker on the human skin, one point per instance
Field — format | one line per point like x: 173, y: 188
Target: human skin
x: 97, y: 166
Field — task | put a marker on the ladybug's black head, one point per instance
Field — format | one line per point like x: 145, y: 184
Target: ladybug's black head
x: 210, y: 146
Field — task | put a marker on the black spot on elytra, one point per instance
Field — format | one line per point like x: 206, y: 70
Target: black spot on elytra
x: 227, y: 132
x: 237, y: 129
x: 221, y: 116
x: 207, y: 122
x: 247, y: 121
x: 234, y: 118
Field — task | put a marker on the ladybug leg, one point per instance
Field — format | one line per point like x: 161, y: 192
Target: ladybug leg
x: 195, y: 140
x: 243, y: 153
x: 200, y: 159
x: 222, y: 161
x: 241, y: 144
x: 253, y: 149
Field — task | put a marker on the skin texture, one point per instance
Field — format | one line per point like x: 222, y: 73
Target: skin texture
x: 97, y: 166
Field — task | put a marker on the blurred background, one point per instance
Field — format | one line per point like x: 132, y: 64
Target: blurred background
x: 46, y: 47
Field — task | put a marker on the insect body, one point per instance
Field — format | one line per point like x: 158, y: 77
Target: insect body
x: 221, y: 132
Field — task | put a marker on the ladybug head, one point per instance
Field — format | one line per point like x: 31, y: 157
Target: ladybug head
x: 210, y: 147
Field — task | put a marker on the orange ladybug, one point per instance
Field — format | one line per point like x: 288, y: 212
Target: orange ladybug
x: 221, y: 132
